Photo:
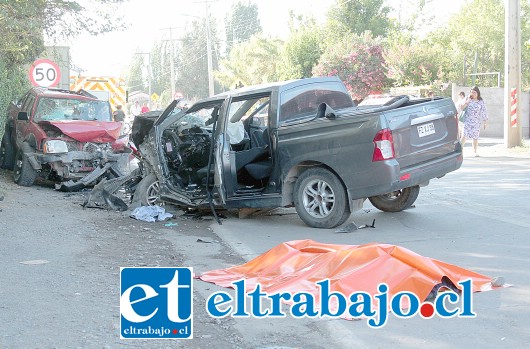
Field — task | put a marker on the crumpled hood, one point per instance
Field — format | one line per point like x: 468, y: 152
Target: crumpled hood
x: 88, y: 131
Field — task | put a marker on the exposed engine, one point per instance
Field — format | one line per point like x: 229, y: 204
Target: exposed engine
x: 187, y: 151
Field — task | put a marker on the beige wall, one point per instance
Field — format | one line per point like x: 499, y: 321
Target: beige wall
x: 494, y: 99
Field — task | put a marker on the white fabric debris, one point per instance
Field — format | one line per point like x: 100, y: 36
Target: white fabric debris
x: 150, y: 214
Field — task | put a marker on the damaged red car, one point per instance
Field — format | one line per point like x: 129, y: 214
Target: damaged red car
x: 64, y: 136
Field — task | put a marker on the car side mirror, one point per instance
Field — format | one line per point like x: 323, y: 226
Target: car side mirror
x: 325, y: 110
x: 22, y: 116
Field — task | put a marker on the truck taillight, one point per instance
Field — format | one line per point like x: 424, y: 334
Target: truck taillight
x: 384, y: 145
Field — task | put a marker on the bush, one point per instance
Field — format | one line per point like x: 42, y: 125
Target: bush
x: 358, y: 61
x: 13, y: 83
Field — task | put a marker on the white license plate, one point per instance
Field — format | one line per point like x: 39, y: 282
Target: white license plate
x: 425, y: 130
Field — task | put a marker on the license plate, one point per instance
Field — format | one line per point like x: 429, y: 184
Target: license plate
x: 425, y: 130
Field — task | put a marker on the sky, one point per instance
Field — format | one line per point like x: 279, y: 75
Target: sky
x: 148, y: 21
x: 110, y: 54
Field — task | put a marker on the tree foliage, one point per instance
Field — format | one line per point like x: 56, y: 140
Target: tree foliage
x: 21, y: 40
x: 241, y: 23
x: 361, y: 15
x: 250, y: 63
x: 301, y: 51
x: 417, y: 62
x: 478, y: 29
x: 358, y: 61
x: 192, y: 59
x: 137, y: 78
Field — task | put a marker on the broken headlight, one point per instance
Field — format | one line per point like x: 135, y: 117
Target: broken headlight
x: 55, y: 147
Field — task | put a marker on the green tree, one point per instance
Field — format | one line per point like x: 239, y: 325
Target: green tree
x: 412, y: 62
x: 21, y: 41
x: 241, y: 23
x: 250, y: 63
x: 361, y: 15
x: 302, y: 50
x: 192, y: 59
x: 160, y: 67
x: 137, y: 81
x: 358, y: 61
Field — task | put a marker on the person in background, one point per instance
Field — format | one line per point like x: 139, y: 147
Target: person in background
x: 459, y: 107
x: 476, y: 115
x: 135, y: 110
x: 145, y: 108
x: 119, y: 115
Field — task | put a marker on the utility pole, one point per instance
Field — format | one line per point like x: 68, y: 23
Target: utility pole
x: 211, y: 88
x: 512, y: 76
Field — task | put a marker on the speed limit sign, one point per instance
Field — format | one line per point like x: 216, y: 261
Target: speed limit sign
x: 44, y: 73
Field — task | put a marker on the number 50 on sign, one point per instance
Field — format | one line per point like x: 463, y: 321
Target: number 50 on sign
x: 44, y: 73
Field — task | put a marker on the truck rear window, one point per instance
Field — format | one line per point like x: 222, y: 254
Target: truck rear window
x: 303, y: 101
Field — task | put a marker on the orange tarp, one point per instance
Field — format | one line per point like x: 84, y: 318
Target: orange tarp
x: 297, y: 266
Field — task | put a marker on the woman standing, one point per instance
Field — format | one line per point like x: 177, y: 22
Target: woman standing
x: 476, y: 114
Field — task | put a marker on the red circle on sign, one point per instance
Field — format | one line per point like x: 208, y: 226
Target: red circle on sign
x: 44, y: 73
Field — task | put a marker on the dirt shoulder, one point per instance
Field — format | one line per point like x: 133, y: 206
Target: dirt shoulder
x: 69, y: 297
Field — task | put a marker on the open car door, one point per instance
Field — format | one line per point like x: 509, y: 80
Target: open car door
x: 223, y: 181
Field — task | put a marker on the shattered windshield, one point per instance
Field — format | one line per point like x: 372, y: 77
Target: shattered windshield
x: 200, y: 116
x: 72, y: 109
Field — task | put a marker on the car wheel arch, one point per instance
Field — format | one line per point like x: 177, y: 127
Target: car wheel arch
x: 293, y: 174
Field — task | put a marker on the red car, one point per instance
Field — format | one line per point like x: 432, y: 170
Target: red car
x: 61, y: 135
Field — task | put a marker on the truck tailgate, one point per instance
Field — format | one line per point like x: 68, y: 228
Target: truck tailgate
x: 423, y: 132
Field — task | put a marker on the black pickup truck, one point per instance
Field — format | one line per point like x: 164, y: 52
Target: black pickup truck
x: 301, y: 143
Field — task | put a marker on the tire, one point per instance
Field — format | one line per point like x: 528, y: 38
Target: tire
x: 147, y: 192
x: 23, y: 173
x: 396, y: 201
x: 320, y: 199
x: 7, y: 153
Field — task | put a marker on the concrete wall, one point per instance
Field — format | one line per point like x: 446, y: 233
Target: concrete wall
x: 494, y: 99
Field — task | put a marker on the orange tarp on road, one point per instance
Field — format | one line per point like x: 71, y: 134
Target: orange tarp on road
x: 297, y: 266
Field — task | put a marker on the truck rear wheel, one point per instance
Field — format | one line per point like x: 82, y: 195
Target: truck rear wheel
x: 147, y: 191
x: 396, y: 201
x: 23, y: 173
x: 320, y: 199
x: 7, y: 153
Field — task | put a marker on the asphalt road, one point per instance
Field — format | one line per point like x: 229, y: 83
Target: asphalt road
x: 476, y: 218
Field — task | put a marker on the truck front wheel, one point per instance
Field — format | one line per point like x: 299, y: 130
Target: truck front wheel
x: 320, y: 199
x: 7, y: 153
x: 396, y: 201
x: 23, y: 173
x: 147, y: 191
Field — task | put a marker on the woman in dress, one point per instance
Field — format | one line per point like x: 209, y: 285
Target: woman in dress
x: 476, y: 114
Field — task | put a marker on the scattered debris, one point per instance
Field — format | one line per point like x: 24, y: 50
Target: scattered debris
x: 35, y: 262
x: 1, y: 197
x: 102, y: 195
x: 171, y: 224
x: 150, y: 214
x: 498, y: 281
x: 204, y: 241
x: 348, y: 228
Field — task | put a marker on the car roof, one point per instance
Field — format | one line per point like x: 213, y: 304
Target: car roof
x: 62, y: 93
x: 268, y: 87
